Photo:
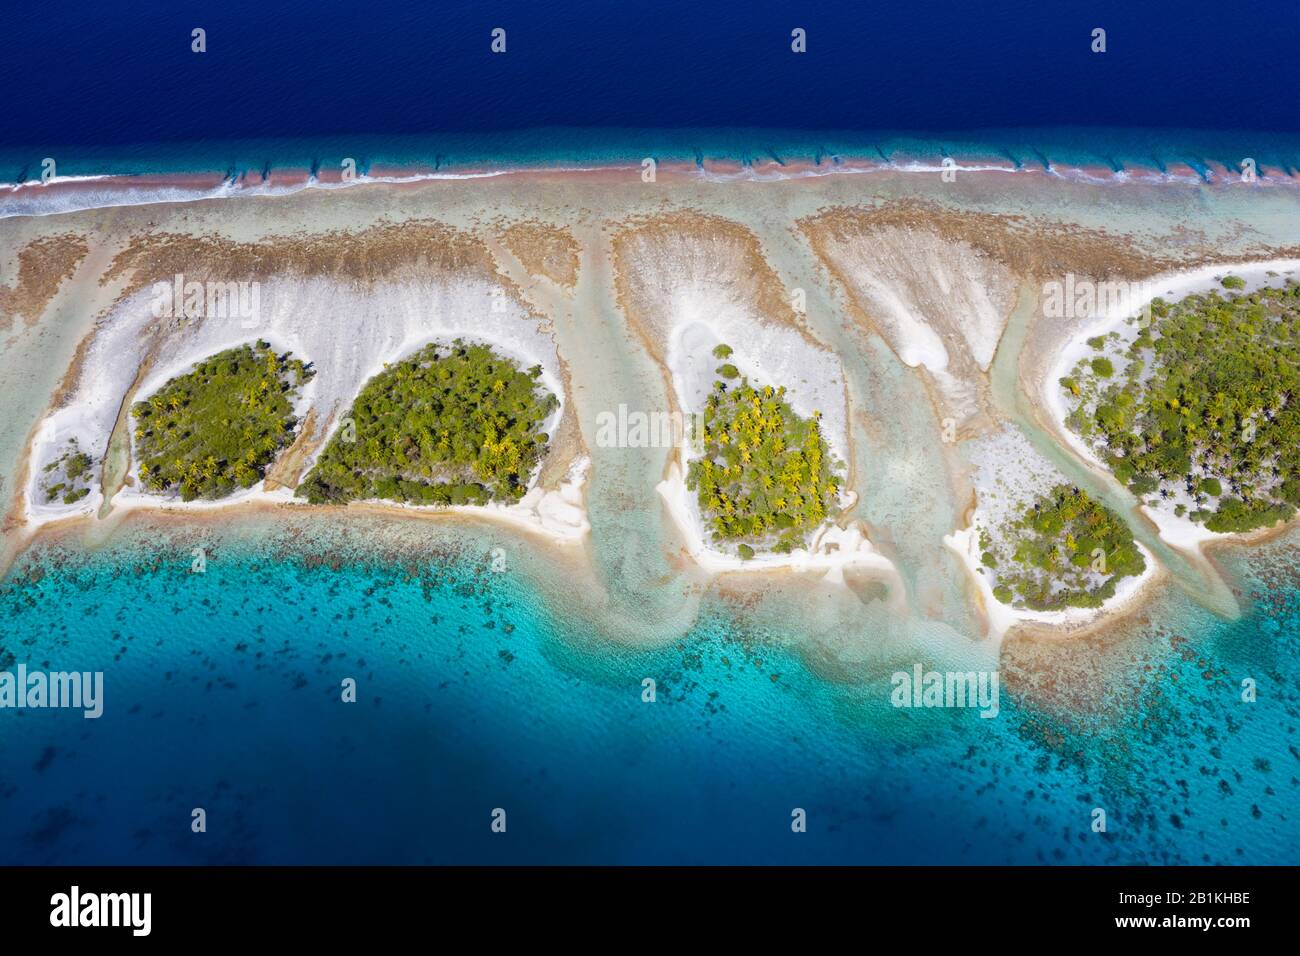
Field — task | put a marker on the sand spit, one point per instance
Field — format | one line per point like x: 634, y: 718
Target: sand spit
x: 346, y: 304
x: 687, y: 281
x: 940, y: 305
x: 43, y: 265
x: 656, y: 254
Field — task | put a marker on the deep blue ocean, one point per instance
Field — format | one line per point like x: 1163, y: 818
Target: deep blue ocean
x: 114, y: 87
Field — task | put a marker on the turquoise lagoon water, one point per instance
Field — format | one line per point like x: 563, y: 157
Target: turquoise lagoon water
x: 476, y: 692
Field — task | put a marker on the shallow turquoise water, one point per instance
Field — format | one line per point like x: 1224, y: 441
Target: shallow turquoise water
x: 222, y: 691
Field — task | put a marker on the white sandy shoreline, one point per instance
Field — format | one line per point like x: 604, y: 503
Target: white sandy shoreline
x: 1009, y: 475
x: 558, y: 514
x: 832, y: 549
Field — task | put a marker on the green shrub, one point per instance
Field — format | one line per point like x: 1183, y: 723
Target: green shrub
x: 77, y: 465
x: 1238, y: 515
x: 73, y: 467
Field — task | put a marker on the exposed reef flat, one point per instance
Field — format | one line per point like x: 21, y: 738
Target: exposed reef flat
x: 494, y: 260
x: 940, y: 286
x: 43, y: 265
x: 544, y: 250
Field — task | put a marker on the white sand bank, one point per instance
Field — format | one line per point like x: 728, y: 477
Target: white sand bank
x: 765, y: 354
x: 941, y: 305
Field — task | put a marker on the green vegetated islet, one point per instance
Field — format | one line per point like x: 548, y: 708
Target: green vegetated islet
x: 1066, y: 550
x: 452, y: 424
x: 218, y: 427
x: 68, y: 476
x: 1200, y: 407
x: 765, y: 476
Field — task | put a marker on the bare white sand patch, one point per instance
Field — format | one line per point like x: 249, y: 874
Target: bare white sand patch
x: 941, y: 305
x: 1009, y: 474
x: 764, y: 353
x: 559, y: 514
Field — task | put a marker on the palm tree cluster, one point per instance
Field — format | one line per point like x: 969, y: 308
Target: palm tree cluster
x: 218, y: 427
x: 765, y: 475
x: 456, y: 424
x: 1204, y: 409
x: 1065, y: 550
